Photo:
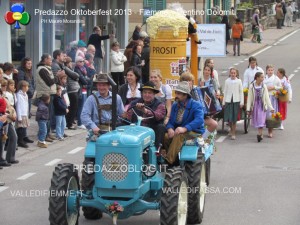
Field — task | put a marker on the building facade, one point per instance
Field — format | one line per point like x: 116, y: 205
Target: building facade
x: 55, y: 23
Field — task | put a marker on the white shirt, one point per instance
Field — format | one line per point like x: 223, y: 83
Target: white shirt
x: 10, y: 98
x: 249, y: 75
x: 9, y: 77
x: 117, y: 61
x: 22, y: 104
x: 137, y: 92
x: 167, y: 88
x: 272, y: 81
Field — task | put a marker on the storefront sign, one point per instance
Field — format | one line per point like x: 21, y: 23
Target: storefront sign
x: 213, y: 38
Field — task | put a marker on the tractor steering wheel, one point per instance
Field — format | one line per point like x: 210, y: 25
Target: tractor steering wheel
x: 140, y: 118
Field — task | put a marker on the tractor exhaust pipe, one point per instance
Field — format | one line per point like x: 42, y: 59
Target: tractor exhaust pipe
x: 114, y: 89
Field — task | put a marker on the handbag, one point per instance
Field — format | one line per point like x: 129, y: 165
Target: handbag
x: 241, y: 37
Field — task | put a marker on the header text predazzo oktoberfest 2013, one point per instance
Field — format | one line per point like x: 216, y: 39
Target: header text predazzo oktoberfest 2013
x: 120, y: 12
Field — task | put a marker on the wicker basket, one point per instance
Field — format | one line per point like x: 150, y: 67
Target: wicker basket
x: 273, y: 123
x: 283, y: 98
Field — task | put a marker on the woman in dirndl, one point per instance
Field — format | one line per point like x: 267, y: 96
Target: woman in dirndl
x: 258, y: 103
x: 233, y: 100
x: 273, y: 83
x: 287, y: 86
x: 22, y: 111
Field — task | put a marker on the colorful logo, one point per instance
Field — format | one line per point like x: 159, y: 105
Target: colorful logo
x: 17, y: 15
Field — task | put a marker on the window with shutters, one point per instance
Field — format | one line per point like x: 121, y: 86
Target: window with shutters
x: 155, y: 5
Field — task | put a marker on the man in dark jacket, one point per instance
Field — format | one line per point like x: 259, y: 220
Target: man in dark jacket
x: 95, y: 39
x: 146, y: 58
x: 159, y: 111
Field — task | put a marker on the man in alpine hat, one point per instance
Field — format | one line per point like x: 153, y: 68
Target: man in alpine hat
x: 186, y: 121
x: 99, y: 118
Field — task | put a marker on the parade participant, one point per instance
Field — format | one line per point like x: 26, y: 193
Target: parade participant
x: 233, y: 100
x: 159, y: 111
x: 99, y: 118
x: 165, y: 92
x: 273, y: 83
x: 250, y: 72
x: 209, y: 81
x: 210, y: 123
x: 214, y: 74
x: 185, y: 122
x: 258, y: 103
x: 130, y: 91
x: 286, y: 85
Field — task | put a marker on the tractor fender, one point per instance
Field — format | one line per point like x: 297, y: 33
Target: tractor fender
x: 90, y: 150
x: 189, y: 153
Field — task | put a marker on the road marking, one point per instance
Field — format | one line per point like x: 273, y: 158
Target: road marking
x: 282, y: 39
x: 236, y: 64
x: 295, y: 71
x: 75, y: 150
x: 221, y: 139
x: 53, y: 162
x: 246, y: 59
x: 265, y: 49
x: 291, y: 76
x: 275, y: 44
x: 24, y: 177
x: 3, y: 188
x: 298, y: 68
x: 241, y: 61
x: 225, y: 71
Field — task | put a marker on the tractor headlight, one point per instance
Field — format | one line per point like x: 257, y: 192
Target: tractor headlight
x: 149, y: 170
x: 89, y: 168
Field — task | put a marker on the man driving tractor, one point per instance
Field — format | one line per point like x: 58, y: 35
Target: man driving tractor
x: 156, y: 117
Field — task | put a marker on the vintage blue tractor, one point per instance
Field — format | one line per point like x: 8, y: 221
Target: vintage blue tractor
x: 124, y: 166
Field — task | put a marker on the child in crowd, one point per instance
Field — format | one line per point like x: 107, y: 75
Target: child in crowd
x: 233, y: 100
x: 22, y: 112
x: 60, y: 110
x: 258, y: 103
x: 11, y: 143
x: 42, y: 117
x: 273, y: 83
x: 287, y: 86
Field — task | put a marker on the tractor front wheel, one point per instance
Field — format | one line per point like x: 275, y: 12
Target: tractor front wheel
x: 174, y: 199
x: 87, y: 184
x: 63, y: 201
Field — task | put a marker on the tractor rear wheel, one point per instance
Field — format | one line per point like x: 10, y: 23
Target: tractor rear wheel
x: 63, y: 203
x: 174, y: 198
x: 87, y: 184
x: 197, y: 186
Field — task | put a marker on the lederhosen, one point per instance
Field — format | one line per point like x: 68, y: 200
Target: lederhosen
x: 106, y: 107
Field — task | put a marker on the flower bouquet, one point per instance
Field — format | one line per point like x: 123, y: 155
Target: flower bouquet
x: 114, y: 208
x: 274, y: 121
x: 282, y: 95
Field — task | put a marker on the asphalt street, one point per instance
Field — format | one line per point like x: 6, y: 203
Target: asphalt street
x: 251, y: 183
